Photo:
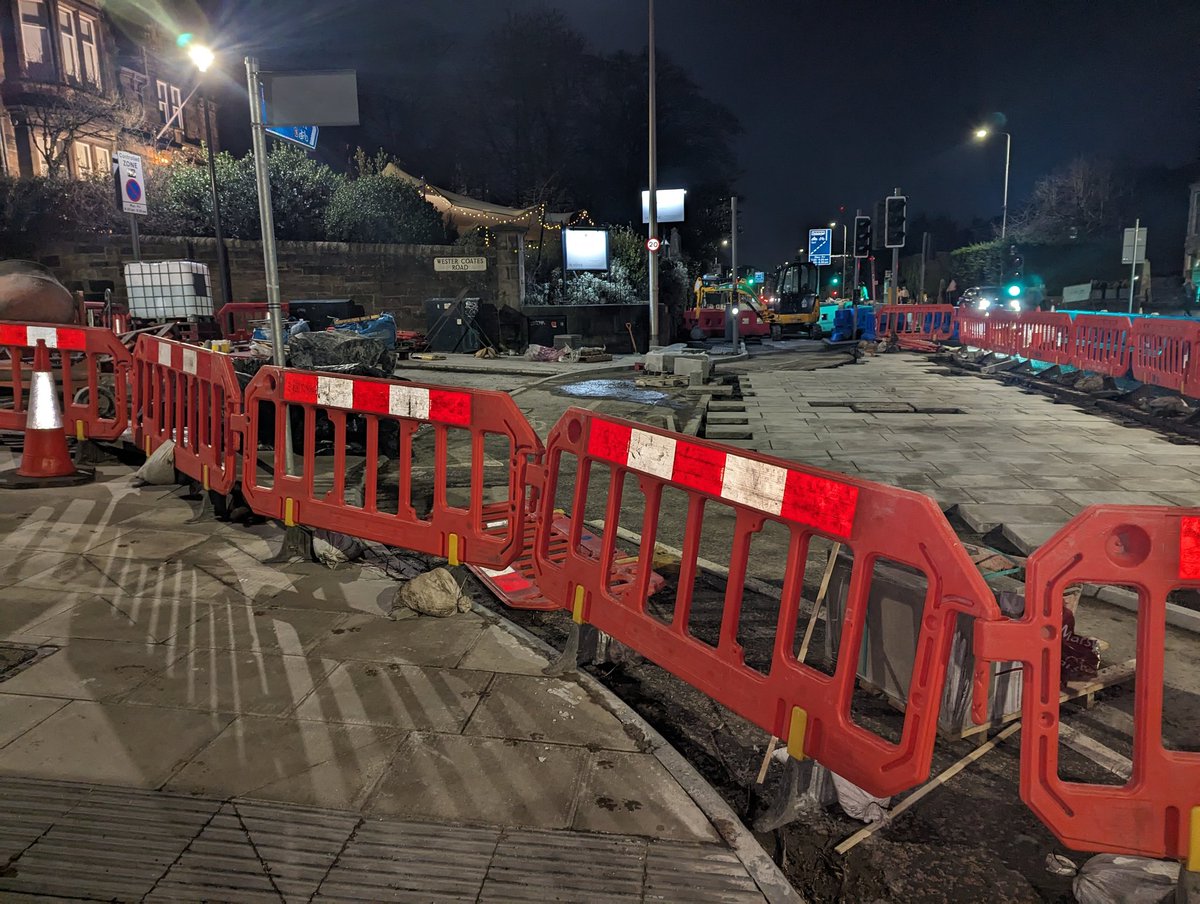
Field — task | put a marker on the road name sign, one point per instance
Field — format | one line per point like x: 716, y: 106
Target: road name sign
x: 459, y: 264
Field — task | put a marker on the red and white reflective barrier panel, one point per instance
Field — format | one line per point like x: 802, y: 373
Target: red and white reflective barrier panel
x: 188, y: 395
x: 1045, y: 336
x: 1101, y: 343
x: 1153, y: 551
x: 1164, y: 352
x: 931, y: 322
x: 89, y: 363
x: 746, y: 490
x: 382, y: 425
x: 407, y: 400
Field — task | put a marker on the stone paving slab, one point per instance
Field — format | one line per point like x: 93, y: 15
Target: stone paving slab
x: 1011, y: 459
x: 188, y: 677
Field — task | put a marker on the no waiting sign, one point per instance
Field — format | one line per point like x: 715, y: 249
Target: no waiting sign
x: 131, y: 184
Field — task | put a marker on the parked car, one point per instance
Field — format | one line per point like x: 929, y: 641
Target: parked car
x: 990, y: 298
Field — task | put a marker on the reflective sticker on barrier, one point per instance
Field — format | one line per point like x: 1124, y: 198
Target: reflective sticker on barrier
x: 1189, y: 548
x: 377, y: 397
x: 189, y: 361
x: 508, y: 580
x: 164, y: 354
x: 74, y: 340
x: 827, y: 505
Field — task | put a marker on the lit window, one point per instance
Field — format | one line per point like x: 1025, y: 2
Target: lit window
x: 90, y: 52
x: 83, y: 160
x: 35, y: 38
x: 70, y: 47
x: 169, y: 103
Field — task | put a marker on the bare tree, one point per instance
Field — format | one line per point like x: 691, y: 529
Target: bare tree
x: 1085, y: 198
x: 58, y: 119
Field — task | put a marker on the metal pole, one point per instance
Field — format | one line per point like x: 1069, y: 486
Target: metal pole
x: 266, y: 217
x: 924, y: 256
x: 1133, y: 265
x: 222, y: 257
x: 1007, y: 157
x: 843, y: 257
x: 133, y: 234
x: 733, y: 234
x: 652, y: 258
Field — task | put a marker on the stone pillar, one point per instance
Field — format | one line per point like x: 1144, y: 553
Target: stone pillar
x: 510, y: 266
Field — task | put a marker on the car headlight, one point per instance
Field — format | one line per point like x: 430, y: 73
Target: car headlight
x: 1014, y: 305
x: 984, y: 304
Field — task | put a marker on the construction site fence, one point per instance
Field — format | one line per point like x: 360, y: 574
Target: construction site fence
x: 91, y: 368
x: 1158, y: 351
x: 461, y: 473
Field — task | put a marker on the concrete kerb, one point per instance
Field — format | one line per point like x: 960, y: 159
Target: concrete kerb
x: 1177, y: 616
x: 761, y: 868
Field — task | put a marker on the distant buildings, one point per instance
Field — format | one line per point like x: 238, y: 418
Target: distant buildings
x: 77, y: 83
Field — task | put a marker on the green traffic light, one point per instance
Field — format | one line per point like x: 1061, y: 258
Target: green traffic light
x: 1014, y: 290
x: 834, y: 281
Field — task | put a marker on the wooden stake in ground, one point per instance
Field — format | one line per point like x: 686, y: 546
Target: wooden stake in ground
x: 808, y: 633
x: 868, y: 831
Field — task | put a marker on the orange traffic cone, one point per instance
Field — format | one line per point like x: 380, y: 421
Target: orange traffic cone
x: 46, y: 462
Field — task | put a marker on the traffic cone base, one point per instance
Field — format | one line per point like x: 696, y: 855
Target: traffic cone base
x: 46, y: 461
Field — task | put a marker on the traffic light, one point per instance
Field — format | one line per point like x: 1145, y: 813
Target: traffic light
x: 1014, y: 273
x: 877, y: 226
x: 896, y: 221
x: 862, y: 236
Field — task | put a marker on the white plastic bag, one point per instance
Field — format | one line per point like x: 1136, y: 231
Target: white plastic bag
x: 1117, y: 879
x: 159, y: 468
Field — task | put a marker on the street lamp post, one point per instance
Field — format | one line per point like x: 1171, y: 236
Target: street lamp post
x: 202, y: 57
x: 652, y: 257
x: 982, y: 134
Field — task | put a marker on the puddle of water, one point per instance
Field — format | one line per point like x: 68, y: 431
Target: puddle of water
x: 623, y: 390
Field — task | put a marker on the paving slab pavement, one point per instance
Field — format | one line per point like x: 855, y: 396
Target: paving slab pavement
x: 1011, y: 461
x: 195, y: 704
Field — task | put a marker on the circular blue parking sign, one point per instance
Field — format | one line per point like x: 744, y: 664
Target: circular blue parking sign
x: 133, y: 191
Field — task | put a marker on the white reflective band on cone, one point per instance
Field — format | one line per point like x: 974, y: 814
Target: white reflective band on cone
x: 43, y: 406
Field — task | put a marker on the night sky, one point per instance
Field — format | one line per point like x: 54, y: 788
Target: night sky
x: 839, y: 102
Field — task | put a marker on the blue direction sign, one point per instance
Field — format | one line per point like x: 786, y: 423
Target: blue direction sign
x: 820, y: 247
x: 302, y: 135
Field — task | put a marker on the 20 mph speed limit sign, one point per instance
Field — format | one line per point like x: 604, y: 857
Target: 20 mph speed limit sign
x: 653, y: 245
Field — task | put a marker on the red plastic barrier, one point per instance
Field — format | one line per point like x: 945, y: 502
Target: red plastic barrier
x: 409, y: 424
x: 1045, y: 336
x: 1164, y: 351
x: 1004, y: 332
x: 188, y: 394
x: 972, y: 328
x: 1152, y: 550
x: 85, y: 360
x: 1101, y: 343
x: 793, y: 700
x: 933, y: 322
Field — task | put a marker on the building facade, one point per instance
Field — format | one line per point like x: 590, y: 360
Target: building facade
x: 77, y: 84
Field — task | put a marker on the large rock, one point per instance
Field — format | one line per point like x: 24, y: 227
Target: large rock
x: 433, y: 593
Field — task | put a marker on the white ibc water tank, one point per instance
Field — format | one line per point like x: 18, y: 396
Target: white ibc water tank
x: 168, y: 290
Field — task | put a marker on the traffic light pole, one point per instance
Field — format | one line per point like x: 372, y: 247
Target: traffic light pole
x: 894, y: 288
x: 733, y: 236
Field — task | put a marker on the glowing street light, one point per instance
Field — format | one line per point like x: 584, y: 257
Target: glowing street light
x: 982, y: 134
x: 201, y: 56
